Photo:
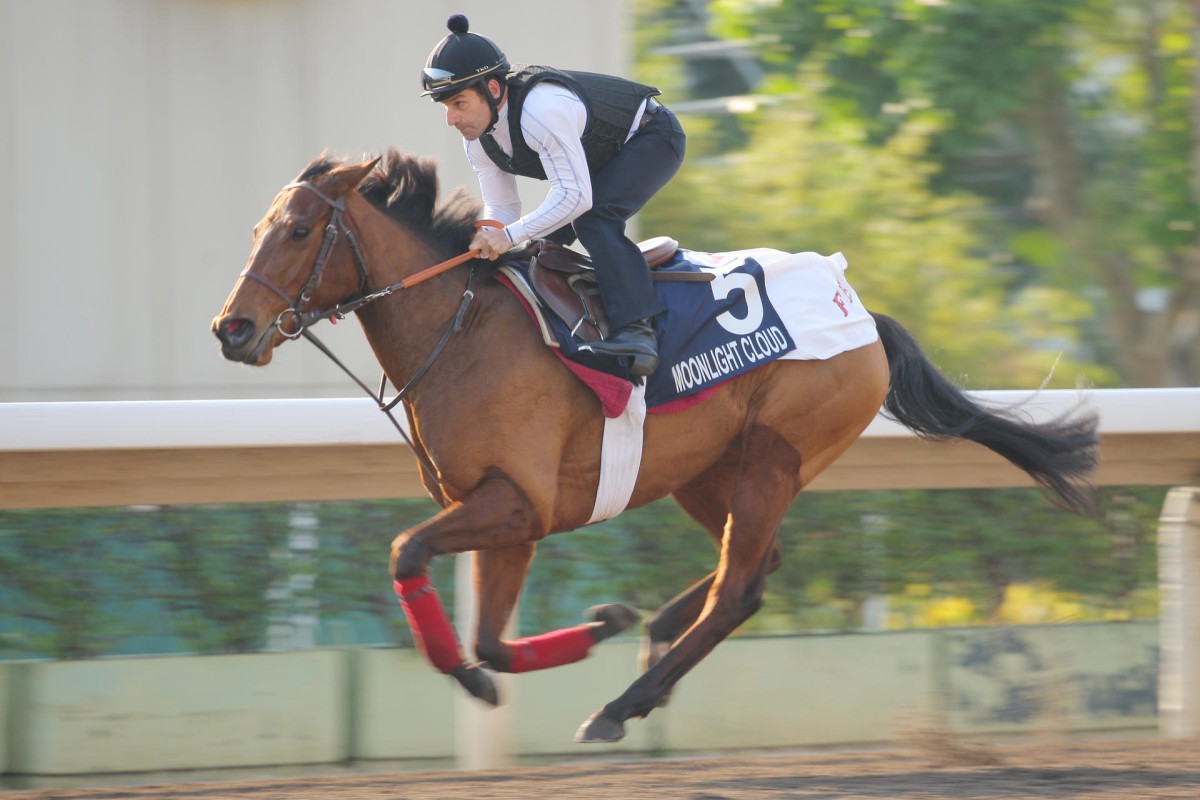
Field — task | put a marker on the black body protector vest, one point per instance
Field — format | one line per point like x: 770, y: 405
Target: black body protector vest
x: 611, y: 104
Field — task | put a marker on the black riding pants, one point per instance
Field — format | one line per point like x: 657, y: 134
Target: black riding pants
x: 620, y: 188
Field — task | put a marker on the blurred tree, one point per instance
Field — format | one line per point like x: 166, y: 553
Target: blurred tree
x: 64, y: 572
x: 810, y: 180
x: 970, y: 543
x: 353, y: 574
x: 88, y: 582
x: 216, y: 566
x: 1076, y: 121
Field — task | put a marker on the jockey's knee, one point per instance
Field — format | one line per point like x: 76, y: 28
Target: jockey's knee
x: 599, y: 220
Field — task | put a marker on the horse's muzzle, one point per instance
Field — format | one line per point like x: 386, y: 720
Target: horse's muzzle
x: 237, y: 337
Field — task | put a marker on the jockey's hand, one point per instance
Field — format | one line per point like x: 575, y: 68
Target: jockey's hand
x: 491, y: 243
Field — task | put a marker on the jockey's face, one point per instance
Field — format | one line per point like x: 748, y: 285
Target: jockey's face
x: 469, y: 112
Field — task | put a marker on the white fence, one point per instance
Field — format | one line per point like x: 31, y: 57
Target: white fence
x: 121, y: 453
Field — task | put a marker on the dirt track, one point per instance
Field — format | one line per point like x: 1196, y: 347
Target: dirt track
x: 932, y: 767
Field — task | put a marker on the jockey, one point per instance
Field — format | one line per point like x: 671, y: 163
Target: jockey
x: 603, y: 143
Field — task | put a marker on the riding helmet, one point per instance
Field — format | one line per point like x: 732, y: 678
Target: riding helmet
x: 459, y: 60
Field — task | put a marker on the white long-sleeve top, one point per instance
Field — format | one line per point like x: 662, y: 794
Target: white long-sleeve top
x: 552, y: 122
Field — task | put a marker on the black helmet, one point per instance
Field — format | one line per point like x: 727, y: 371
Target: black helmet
x: 459, y: 60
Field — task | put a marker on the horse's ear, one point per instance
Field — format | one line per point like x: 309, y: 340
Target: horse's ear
x: 346, y: 178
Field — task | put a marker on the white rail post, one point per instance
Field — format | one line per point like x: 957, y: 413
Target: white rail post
x: 1179, y: 613
x: 483, y: 735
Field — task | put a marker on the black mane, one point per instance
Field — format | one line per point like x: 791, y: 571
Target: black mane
x: 405, y: 187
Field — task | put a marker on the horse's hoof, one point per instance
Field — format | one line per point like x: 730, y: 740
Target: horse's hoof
x: 613, y: 618
x: 600, y: 728
x: 478, y: 682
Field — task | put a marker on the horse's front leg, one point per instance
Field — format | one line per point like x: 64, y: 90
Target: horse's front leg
x: 499, y: 576
x: 498, y: 522
x: 496, y: 514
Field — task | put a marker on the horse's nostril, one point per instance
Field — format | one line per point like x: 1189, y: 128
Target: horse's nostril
x: 234, y: 331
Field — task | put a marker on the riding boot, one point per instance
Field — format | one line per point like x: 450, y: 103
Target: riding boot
x: 635, y: 340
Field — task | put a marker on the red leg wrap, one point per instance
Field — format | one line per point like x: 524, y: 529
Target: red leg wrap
x: 430, y: 626
x: 552, y: 649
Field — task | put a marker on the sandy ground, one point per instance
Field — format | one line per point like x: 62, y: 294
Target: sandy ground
x: 930, y: 766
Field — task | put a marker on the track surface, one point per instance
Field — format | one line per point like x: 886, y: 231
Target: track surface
x: 933, y: 766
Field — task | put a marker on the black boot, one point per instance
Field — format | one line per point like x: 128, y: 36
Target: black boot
x: 637, y: 341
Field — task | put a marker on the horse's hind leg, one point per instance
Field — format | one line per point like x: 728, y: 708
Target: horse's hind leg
x: 679, y: 614
x: 706, y: 500
x: 499, y: 576
x: 767, y: 480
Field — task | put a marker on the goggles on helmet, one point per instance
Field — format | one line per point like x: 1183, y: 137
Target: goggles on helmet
x: 434, y: 79
x: 437, y: 81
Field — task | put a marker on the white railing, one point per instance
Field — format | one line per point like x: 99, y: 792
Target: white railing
x: 122, y: 453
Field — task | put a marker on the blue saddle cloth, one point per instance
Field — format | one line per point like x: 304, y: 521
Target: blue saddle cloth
x: 711, y: 331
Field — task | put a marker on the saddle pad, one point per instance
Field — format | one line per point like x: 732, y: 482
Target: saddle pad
x: 807, y: 293
x: 761, y: 305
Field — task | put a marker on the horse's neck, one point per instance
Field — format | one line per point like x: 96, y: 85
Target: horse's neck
x: 405, y: 327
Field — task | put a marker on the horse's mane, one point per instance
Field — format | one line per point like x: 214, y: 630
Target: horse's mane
x: 405, y: 187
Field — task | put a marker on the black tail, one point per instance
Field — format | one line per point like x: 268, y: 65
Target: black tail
x: 1059, y: 455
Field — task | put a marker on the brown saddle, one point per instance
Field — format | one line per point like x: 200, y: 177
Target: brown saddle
x: 565, y: 280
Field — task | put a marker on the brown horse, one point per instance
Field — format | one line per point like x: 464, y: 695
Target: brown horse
x: 508, y: 439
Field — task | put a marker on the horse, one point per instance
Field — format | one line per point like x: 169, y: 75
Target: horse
x: 507, y: 438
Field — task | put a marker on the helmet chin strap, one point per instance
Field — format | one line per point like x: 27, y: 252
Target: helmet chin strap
x: 493, y: 102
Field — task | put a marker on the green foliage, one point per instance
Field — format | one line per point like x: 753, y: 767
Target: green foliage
x: 218, y: 563
x: 1034, y: 160
x: 977, y: 61
x: 352, y: 579
x: 809, y: 181
x: 85, y: 582
x: 58, y: 568
x: 91, y: 582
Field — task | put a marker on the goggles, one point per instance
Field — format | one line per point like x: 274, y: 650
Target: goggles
x: 434, y: 79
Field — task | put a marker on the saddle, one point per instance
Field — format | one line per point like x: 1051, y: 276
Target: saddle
x: 565, y: 280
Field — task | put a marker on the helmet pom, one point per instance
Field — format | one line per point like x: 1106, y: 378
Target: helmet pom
x: 458, y: 23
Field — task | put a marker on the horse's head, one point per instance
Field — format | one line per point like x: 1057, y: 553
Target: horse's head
x: 304, y: 260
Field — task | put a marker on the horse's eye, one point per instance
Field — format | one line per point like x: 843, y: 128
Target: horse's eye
x: 299, y: 232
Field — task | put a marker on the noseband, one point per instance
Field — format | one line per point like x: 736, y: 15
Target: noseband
x: 294, y: 310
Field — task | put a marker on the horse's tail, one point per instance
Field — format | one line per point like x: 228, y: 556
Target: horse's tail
x: 1059, y: 455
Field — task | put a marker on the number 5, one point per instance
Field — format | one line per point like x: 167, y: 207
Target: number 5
x: 725, y: 284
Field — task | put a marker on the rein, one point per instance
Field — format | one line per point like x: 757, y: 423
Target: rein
x: 342, y: 309
x: 455, y: 325
x: 303, y: 320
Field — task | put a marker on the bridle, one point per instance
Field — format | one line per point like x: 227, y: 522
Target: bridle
x: 336, y: 224
x: 304, y: 320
